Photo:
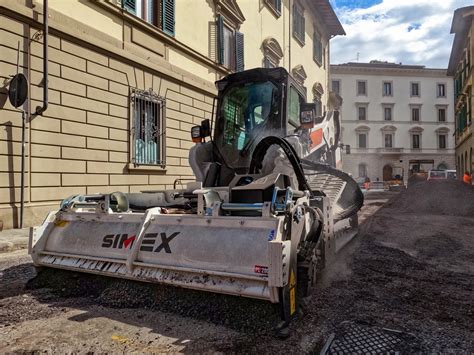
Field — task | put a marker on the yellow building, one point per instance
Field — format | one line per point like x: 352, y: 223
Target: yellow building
x: 460, y: 66
x: 128, y: 79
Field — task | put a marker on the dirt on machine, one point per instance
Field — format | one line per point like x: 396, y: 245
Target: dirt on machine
x: 267, y: 211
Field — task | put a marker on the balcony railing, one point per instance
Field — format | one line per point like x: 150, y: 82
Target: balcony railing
x: 390, y: 150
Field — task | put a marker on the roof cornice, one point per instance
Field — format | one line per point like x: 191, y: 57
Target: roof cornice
x: 460, y: 26
x: 324, y: 10
x: 397, y: 71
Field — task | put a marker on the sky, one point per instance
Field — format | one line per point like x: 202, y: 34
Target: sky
x: 406, y: 31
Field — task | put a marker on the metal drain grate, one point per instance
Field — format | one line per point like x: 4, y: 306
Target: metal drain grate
x: 354, y: 338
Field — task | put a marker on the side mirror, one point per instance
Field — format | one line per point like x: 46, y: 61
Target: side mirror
x: 198, y: 133
x: 205, y: 128
x: 307, y: 115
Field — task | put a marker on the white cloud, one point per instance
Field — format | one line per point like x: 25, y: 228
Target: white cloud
x: 407, y: 31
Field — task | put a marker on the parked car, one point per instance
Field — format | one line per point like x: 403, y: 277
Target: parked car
x: 451, y: 174
x: 378, y: 186
x: 437, y: 174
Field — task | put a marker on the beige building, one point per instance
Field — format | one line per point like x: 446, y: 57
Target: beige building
x: 460, y: 67
x: 397, y: 119
x: 128, y: 79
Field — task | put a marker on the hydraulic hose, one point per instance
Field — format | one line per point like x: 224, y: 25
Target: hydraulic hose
x: 262, y: 148
x: 298, y: 165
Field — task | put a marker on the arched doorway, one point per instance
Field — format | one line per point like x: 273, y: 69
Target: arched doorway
x: 387, y: 173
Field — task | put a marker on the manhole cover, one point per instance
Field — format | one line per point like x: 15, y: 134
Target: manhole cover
x: 357, y: 338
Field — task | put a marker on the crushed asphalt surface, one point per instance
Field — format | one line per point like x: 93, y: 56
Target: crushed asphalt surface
x: 410, y: 269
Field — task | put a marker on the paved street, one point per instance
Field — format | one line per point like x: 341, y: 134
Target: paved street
x: 390, y: 277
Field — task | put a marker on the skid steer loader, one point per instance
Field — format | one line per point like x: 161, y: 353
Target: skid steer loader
x: 267, y: 210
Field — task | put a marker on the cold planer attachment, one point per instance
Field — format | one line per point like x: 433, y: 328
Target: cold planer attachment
x: 258, y: 221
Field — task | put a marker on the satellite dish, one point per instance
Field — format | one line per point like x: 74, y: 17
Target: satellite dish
x: 18, y: 90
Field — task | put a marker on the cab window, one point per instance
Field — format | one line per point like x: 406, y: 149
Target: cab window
x: 246, y: 109
x: 294, y: 105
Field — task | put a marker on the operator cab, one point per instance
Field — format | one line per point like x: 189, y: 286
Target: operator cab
x: 251, y: 105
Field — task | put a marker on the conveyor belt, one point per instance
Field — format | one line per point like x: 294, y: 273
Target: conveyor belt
x: 331, y: 185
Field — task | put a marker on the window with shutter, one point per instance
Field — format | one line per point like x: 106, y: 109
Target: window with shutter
x: 239, y: 51
x: 415, y: 141
x: 415, y: 114
x: 387, y: 88
x: 415, y: 89
x: 362, y: 140
x: 168, y: 16
x: 160, y: 13
x: 230, y: 46
x: 130, y: 6
x: 220, y: 39
x: 317, y: 49
x: 442, y: 141
x: 362, y: 113
x: 361, y: 88
x: 275, y: 6
x: 441, y: 115
x: 298, y: 24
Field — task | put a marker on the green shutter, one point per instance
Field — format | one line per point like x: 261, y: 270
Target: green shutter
x: 295, y: 19
x: 220, y: 39
x: 168, y: 16
x: 130, y: 6
x: 317, y: 49
x: 278, y: 5
x: 239, y: 51
x: 302, y: 27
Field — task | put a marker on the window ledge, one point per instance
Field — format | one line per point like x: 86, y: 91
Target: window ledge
x: 299, y: 40
x: 319, y: 63
x: 156, y: 168
x: 274, y: 11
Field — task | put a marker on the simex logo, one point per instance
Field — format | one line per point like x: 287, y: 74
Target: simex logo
x: 117, y: 241
x: 123, y: 241
x: 149, y: 241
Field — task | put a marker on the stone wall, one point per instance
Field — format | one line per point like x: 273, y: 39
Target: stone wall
x: 81, y: 144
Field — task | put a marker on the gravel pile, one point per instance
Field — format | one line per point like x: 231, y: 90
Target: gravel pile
x: 444, y: 197
x: 237, y: 313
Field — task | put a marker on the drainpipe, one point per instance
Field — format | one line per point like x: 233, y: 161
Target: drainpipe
x: 290, y: 6
x: 41, y: 109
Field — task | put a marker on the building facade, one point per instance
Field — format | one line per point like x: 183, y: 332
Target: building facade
x: 128, y: 79
x: 460, y: 67
x: 397, y: 119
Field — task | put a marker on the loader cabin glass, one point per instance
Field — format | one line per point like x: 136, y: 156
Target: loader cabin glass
x: 252, y: 106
